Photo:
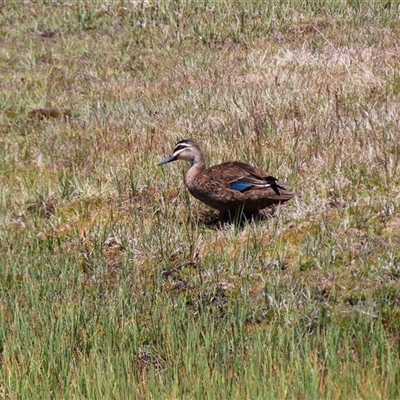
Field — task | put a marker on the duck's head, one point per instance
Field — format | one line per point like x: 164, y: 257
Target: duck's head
x: 187, y: 150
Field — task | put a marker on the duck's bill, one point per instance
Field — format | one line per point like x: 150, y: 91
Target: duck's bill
x: 167, y: 160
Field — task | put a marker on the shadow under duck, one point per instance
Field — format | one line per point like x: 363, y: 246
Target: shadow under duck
x: 231, y: 187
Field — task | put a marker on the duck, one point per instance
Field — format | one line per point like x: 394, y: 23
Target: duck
x: 233, y: 188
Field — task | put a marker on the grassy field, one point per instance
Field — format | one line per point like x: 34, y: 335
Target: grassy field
x: 115, y: 283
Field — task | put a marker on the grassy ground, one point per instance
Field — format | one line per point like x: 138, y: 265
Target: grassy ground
x: 113, y: 282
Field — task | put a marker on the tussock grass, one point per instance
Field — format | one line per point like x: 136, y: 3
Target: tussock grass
x: 115, y: 283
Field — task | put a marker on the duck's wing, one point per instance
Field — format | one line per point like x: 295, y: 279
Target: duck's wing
x: 242, y: 177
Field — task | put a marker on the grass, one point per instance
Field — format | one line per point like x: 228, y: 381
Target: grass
x: 113, y: 282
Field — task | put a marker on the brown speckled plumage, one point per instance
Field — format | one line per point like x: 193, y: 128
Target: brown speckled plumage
x: 231, y: 187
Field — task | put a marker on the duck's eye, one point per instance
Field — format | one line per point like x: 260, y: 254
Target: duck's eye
x: 181, y: 147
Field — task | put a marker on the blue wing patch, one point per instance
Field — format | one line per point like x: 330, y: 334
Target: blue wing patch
x: 241, y: 186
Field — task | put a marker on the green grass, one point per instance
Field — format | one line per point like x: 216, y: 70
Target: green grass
x: 115, y: 283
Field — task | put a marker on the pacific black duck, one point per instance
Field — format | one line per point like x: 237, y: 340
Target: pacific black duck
x: 231, y: 187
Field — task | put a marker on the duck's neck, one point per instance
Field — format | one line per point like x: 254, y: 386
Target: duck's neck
x: 197, y: 166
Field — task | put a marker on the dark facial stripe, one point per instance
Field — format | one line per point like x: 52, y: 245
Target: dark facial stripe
x: 181, y: 146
